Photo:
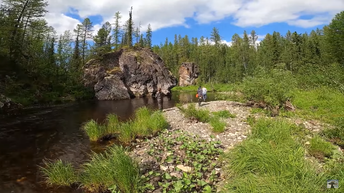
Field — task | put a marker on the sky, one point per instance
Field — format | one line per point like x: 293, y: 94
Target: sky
x: 197, y: 18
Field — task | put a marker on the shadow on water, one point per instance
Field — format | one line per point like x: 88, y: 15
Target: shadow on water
x: 29, y: 136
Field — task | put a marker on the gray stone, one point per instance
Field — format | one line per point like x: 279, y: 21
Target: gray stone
x: 128, y: 73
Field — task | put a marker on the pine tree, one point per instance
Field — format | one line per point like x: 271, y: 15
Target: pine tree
x: 149, y: 37
x: 117, y: 31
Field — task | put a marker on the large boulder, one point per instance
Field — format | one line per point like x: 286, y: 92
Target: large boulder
x: 7, y: 104
x: 128, y: 73
x: 188, y: 73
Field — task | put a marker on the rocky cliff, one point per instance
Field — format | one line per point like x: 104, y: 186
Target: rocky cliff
x: 128, y: 73
x: 188, y: 73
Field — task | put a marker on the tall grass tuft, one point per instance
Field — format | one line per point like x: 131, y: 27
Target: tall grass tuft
x: 217, y: 124
x: 141, y: 122
x: 145, y: 123
x: 127, y: 132
x: 157, y: 122
x: 270, y: 160
x: 94, y: 130
x: 113, y: 124
x: 192, y: 112
x: 58, y: 173
x: 114, y: 167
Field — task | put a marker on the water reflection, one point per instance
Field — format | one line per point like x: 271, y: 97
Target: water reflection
x: 26, y: 138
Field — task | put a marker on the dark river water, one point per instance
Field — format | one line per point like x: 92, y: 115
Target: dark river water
x: 32, y: 135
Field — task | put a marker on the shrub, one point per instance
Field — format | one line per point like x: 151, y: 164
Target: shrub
x: 272, y: 87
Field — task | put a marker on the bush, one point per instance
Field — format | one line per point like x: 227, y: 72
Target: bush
x: 312, y: 76
x: 272, y: 87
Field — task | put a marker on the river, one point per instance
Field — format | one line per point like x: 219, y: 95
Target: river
x: 32, y: 135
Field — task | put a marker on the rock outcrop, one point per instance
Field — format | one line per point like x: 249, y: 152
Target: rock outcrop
x: 128, y: 73
x: 188, y: 73
x: 7, y: 104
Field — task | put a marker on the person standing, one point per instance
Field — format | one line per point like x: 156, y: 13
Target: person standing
x: 204, y: 93
x: 158, y: 96
x: 200, y: 95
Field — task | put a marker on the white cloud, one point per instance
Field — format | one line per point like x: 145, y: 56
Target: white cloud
x: 162, y: 14
x: 222, y: 42
x: 61, y: 22
x: 263, y: 12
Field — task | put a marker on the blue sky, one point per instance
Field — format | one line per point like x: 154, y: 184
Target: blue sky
x: 226, y: 27
x: 197, y: 18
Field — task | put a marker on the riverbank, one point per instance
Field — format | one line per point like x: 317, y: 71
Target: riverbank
x: 190, y: 156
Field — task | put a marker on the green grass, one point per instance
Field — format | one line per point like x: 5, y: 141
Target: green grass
x: 214, y: 118
x: 218, y: 125
x: 113, y: 124
x: 127, y: 133
x: 146, y: 123
x: 102, y: 171
x: 210, y: 87
x: 335, y: 135
x: 114, y: 167
x: 324, y: 104
x: 94, y: 130
x: 198, y: 114
x: 224, y: 114
x: 58, y: 173
x: 270, y: 160
x: 320, y: 149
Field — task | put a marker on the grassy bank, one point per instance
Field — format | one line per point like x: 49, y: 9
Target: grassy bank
x: 272, y: 159
x: 145, y: 123
x: 278, y: 155
x: 113, y: 168
x: 216, y: 87
x: 323, y: 103
x: 182, y: 163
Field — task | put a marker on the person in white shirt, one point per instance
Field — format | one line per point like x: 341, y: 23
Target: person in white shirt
x: 204, y: 93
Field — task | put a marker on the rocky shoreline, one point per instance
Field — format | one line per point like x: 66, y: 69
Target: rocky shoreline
x: 168, y: 145
x: 167, y: 154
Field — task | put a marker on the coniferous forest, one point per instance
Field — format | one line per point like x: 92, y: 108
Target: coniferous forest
x: 40, y: 66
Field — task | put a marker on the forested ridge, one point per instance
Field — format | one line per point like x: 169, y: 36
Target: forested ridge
x: 317, y: 57
x: 40, y: 66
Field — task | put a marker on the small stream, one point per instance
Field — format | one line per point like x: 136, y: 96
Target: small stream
x: 31, y: 135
